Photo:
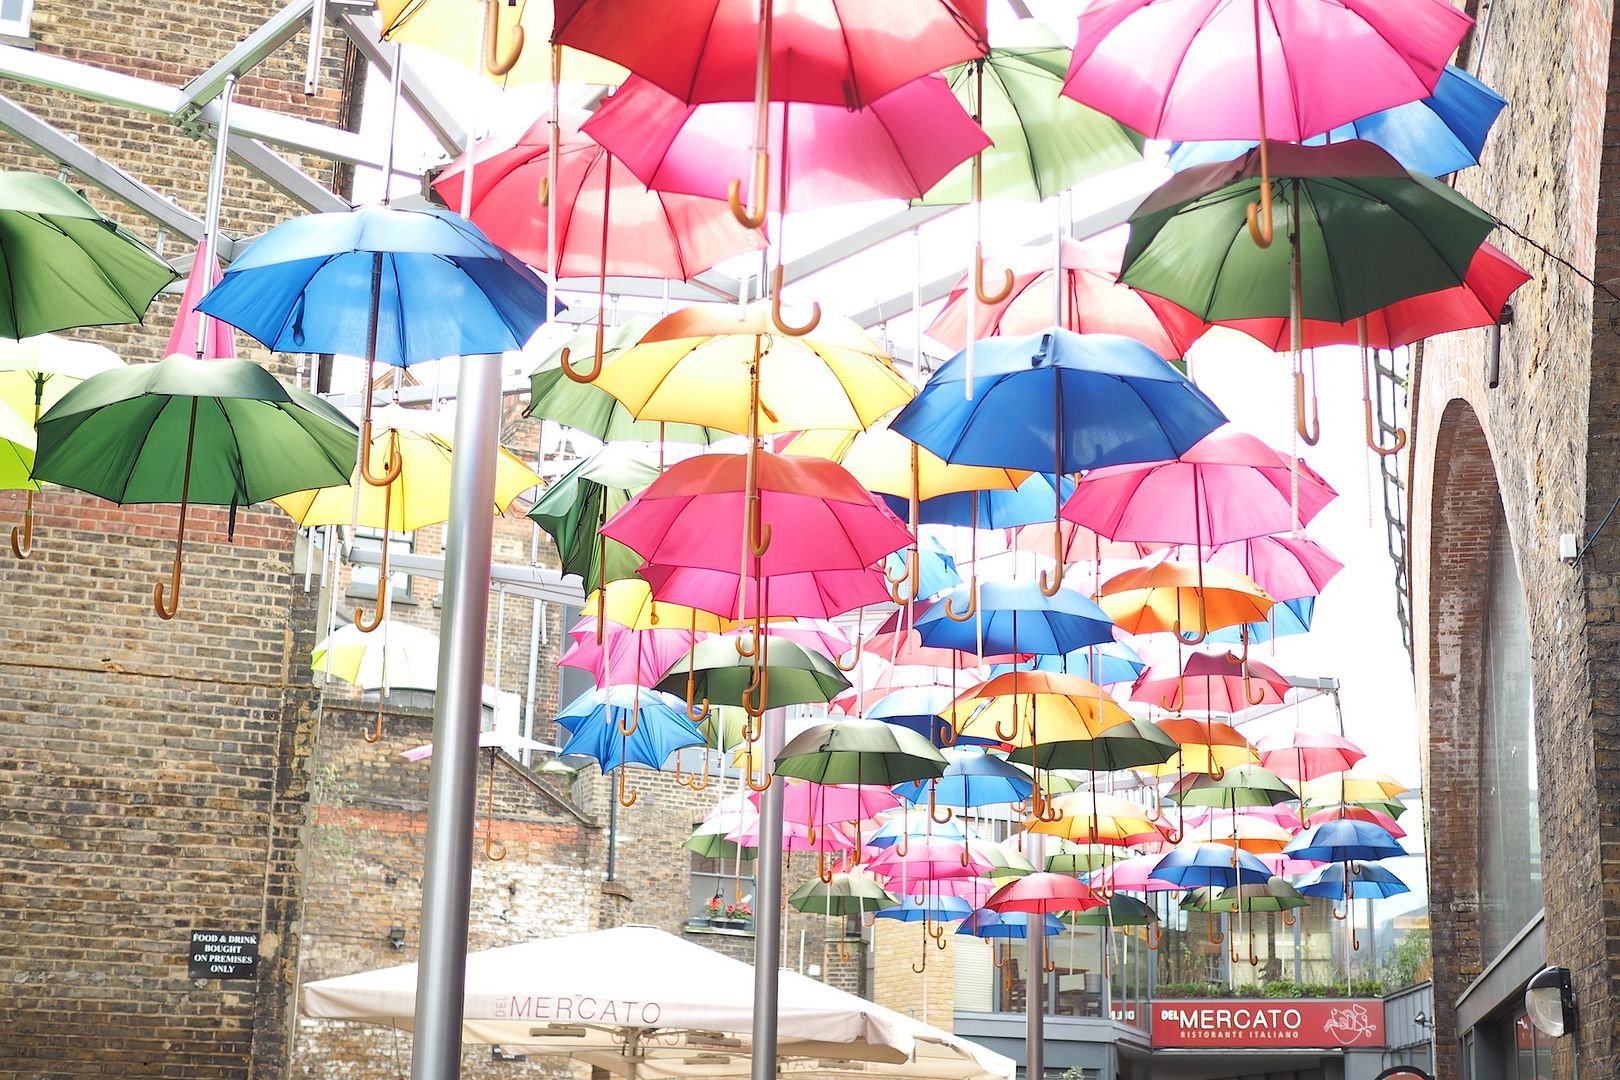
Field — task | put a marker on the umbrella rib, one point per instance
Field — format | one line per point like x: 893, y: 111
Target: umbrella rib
x: 1164, y: 102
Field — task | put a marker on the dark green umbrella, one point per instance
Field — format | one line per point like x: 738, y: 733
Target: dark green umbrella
x: 793, y: 675
x: 1126, y: 745
x: 716, y: 846
x: 554, y: 396
x: 1072, y: 857
x: 218, y: 432
x: 1239, y: 785
x: 1369, y: 233
x: 1119, y: 911
x: 1045, y: 143
x: 858, y: 751
x: 574, y: 507
x: 845, y: 894
x: 65, y: 265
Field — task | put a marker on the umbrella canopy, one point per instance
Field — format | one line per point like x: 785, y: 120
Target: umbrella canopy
x: 1013, y: 925
x: 1276, y: 894
x: 705, y: 50
x: 1356, y: 784
x: 1241, y: 785
x: 1182, y: 599
x: 1197, y: 865
x: 447, y: 27
x: 1204, y: 746
x: 1214, y: 683
x: 1104, y: 663
x: 1134, y: 874
x: 1008, y: 707
x: 623, y: 656
x: 627, y: 725
x: 588, y: 408
x: 400, y: 657
x: 694, y: 367
x: 1286, y: 567
x: 1443, y: 133
x: 607, y: 221
x: 720, y: 675
x: 920, y: 709
x: 897, y: 147
x: 811, y: 803
x: 218, y: 343
x: 1092, y: 300
x: 931, y: 907
x: 881, y: 460
x: 1060, y: 401
x: 441, y: 288
x: 1301, y: 755
x: 1186, y: 69
x: 971, y: 778
x: 67, y: 265
x: 1229, y: 487
x: 1043, y: 893
x: 1370, y: 234
x: 576, y: 505
x: 1119, y: 911
x: 420, y: 496
x: 1129, y: 744
x: 1367, y: 881
x: 1016, y: 617
x: 1044, y: 143
x: 1344, y: 840
x: 17, y: 466
x: 845, y: 894
x: 1093, y: 817
x: 1032, y: 501
x: 856, y: 751
x: 1282, y: 620
x: 1357, y: 813
x: 675, y: 986
x: 629, y: 602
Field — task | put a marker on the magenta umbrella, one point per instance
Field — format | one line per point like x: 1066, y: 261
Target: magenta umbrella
x: 897, y: 147
x: 927, y: 860
x: 220, y: 341
x: 1287, y: 567
x: 1044, y: 893
x: 1305, y: 755
x: 1210, y: 682
x: 1230, y: 486
x: 1133, y: 874
x: 625, y: 656
x: 815, y: 804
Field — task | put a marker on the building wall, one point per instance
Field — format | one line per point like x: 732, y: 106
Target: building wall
x: 155, y: 772
x: 1543, y: 439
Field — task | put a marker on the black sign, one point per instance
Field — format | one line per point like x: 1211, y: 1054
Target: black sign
x: 223, y: 954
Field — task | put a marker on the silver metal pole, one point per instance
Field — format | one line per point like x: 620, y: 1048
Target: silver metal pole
x: 1035, y: 980
x: 453, y: 780
x: 312, y: 64
x: 768, y: 905
x: 216, y: 196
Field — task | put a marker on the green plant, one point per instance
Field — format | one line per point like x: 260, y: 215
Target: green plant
x: 1408, y: 961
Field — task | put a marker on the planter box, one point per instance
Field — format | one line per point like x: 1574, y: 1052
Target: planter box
x: 729, y: 924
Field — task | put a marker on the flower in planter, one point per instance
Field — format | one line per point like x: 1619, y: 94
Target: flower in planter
x: 739, y: 911
x: 714, y: 906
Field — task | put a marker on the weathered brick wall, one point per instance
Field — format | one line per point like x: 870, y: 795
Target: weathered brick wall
x: 1545, y: 437
x: 155, y: 772
x: 898, y: 950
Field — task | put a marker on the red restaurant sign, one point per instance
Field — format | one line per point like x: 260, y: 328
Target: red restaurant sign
x: 1268, y: 1022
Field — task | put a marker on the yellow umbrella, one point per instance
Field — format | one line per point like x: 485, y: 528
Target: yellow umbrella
x: 1207, y: 746
x: 1351, y: 787
x: 629, y: 603
x: 1028, y: 708
x: 1182, y: 599
x: 519, y: 45
x: 1096, y: 818
x: 1256, y: 835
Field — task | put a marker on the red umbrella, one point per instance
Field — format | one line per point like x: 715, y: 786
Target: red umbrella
x: 1305, y: 755
x: 649, y: 234
x: 1211, y: 682
x: 1093, y: 301
x: 1043, y: 894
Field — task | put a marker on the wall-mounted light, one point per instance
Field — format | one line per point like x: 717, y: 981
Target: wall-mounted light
x: 1423, y: 1020
x: 1493, y: 368
x: 396, y: 936
x: 1549, y: 999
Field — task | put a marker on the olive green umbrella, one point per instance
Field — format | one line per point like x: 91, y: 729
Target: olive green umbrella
x: 1126, y: 745
x: 1045, y: 143
x: 66, y: 265
x: 1076, y: 858
x: 218, y: 432
x: 1239, y: 785
x: 1119, y: 911
x: 858, y: 751
x: 574, y: 507
x: 845, y: 894
x: 793, y: 675
x: 554, y: 396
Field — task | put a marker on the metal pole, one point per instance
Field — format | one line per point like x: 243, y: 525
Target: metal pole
x: 457, y: 708
x: 1035, y: 981
x: 312, y: 63
x: 216, y: 196
x: 768, y: 905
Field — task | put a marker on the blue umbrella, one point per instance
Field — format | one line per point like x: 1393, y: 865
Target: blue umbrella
x: 400, y: 286
x: 1440, y: 134
x: 1344, y: 840
x: 1199, y: 865
x: 919, y: 708
x: 1016, y: 617
x: 972, y: 778
x: 931, y: 908
x: 1002, y: 508
x: 1058, y: 401
x: 1109, y: 662
x: 914, y: 824
x: 627, y: 725
x: 1367, y: 882
x: 984, y: 923
x: 1286, y: 618
x: 936, y: 569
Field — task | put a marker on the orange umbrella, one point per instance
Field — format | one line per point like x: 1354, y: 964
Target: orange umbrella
x: 1183, y: 600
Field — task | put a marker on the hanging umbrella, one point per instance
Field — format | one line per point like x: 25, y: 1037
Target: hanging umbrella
x: 1203, y: 746
x: 214, y: 432
x: 936, y: 567
x: 1105, y: 663
x: 402, y: 657
x: 1070, y: 857
x: 1344, y: 840
x: 400, y: 286
x: 1357, y: 813
x: 1119, y: 911
x: 217, y: 342
x: 845, y: 894
x: 855, y: 751
x: 626, y: 725
x: 934, y: 907
x: 1283, y: 619
x: 1133, y: 874
x: 1075, y: 543
x: 1027, y: 709
x: 1366, y: 881
x: 1356, y: 784
x: 1212, y: 683
x: 920, y: 709
x: 1011, y: 925
x: 1091, y: 817
x: 971, y: 778
x: 1112, y: 401
x: 1029, y: 503
x: 68, y: 265
x: 449, y: 27
x: 1241, y: 785
x: 1015, y: 617
x: 34, y: 374
x: 1182, y: 599
x: 624, y: 656
x: 1301, y: 755
x: 1210, y: 865
x: 1256, y: 835
x: 1129, y: 744
x: 812, y: 803
x: 588, y: 408
x: 722, y: 676
x: 576, y: 505
x: 1090, y: 300
x: 901, y: 827
x: 924, y: 861
x: 1286, y: 567
x: 1443, y: 133
x: 1043, y: 894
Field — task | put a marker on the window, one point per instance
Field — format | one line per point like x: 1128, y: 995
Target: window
x: 363, y: 579
x: 16, y: 16
x: 726, y: 878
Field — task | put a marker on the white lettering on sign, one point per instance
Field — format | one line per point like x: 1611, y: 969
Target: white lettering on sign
x: 222, y: 955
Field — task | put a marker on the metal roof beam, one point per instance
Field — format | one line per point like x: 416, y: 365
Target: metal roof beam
x: 275, y: 32
x: 536, y: 582
x: 284, y: 176
x: 416, y: 90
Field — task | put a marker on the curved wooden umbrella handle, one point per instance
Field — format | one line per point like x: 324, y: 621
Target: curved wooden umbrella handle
x: 624, y: 801
x: 489, y: 816
x: 759, y: 530
x: 1154, y: 934
x: 376, y: 736
x: 1366, y: 402
x: 1259, y: 213
x: 933, y: 811
x: 972, y: 604
x: 776, y: 309
x: 395, y: 464
x: 167, y: 611
x: 1312, y: 432
x: 22, y: 543
x: 590, y: 374
x: 751, y: 217
x: 496, y: 60
x: 366, y: 626
x: 855, y: 657
x: 987, y: 298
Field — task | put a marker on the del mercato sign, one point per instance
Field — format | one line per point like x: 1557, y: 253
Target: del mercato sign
x: 1263, y: 1023
x: 223, y: 954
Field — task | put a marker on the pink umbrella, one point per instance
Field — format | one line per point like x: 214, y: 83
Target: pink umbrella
x: 897, y: 147
x: 897, y: 641
x: 1133, y: 874
x: 625, y: 656
x: 878, y: 678
x: 827, y: 534
x: 649, y: 234
x: 1286, y: 567
x: 927, y: 860
x: 819, y: 634
x: 1093, y: 301
x: 1228, y: 487
x: 797, y: 837
x: 1080, y: 544
x: 219, y: 342
x: 1305, y: 755
x: 1278, y: 814
x: 1283, y: 865
x: 1044, y: 893
x: 815, y: 804
x: 1210, y: 682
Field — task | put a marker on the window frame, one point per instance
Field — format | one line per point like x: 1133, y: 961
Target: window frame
x: 22, y: 25
x: 371, y: 539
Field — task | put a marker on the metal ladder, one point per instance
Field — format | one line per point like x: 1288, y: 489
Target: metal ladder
x: 1392, y: 406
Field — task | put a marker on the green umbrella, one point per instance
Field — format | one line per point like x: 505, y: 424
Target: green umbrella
x: 1004, y: 861
x: 1126, y: 745
x: 712, y: 845
x: 554, y: 396
x: 793, y: 675
x: 220, y: 432
x: 1045, y: 143
x: 1369, y: 233
x: 1239, y: 785
x: 1119, y: 911
x: 574, y: 507
x: 65, y: 264
x: 845, y: 894
x: 1076, y: 858
x: 858, y: 751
